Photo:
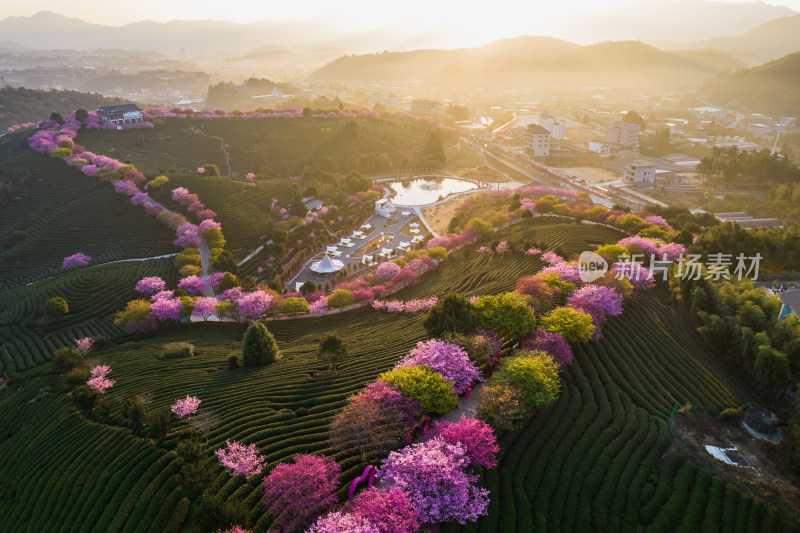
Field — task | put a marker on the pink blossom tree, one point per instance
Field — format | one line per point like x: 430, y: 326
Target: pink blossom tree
x: 250, y: 176
x: 434, y: 474
x: 240, y: 459
x: 296, y: 493
x: 553, y: 344
x: 476, y: 436
x: 193, y: 285
x: 449, y: 360
x: 99, y: 381
x: 340, y: 522
x: 83, y: 345
x: 151, y: 285
x: 502, y: 247
x: 166, y: 310
x: 253, y: 305
x: 76, y: 260
x: 390, y: 510
x: 204, y: 307
x: 599, y: 302
x: 185, y: 407
x: 387, y: 271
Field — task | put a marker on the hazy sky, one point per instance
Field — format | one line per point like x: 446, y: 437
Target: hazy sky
x: 471, y: 16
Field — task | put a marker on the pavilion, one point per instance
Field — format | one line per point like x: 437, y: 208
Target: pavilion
x: 327, y: 266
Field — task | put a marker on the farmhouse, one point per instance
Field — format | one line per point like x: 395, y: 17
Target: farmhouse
x: 121, y: 115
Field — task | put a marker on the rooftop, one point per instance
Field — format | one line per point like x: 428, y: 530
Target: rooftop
x: 537, y: 129
x: 123, y: 108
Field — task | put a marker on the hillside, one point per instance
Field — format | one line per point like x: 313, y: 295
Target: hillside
x: 773, y: 88
x: 591, y: 461
x: 18, y: 105
x: 770, y: 40
x: 532, y: 61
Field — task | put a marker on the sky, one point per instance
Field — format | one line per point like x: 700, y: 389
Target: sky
x: 470, y: 16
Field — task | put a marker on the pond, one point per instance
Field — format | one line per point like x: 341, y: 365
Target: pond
x: 422, y: 191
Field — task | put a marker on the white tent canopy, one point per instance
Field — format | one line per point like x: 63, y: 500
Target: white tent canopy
x: 367, y: 226
x: 332, y: 248
x: 414, y: 225
x: 327, y: 265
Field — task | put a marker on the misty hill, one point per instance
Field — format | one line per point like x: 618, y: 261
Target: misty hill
x: 19, y: 105
x: 534, y: 61
x: 656, y: 20
x: 773, y: 88
x: 769, y: 40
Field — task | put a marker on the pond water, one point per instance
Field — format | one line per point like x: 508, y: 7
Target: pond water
x: 423, y: 191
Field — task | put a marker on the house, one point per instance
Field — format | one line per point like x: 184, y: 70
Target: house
x: 537, y: 141
x: 744, y: 220
x: 121, y: 115
x: 426, y: 108
x: 708, y: 113
x: 312, y: 204
x: 625, y: 135
x: 556, y: 127
x: 384, y: 208
x: 600, y: 148
x: 639, y: 173
x: 791, y: 303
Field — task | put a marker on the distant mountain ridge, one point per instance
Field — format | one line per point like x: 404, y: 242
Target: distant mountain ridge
x: 773, y: 88
x: 766, y: 41
x: 534, y: 62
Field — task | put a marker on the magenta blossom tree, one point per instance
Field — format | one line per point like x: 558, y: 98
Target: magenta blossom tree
x: 296, y: 493
x: 186, y: 406
x: 193, y: 285
x: 204, y: 307
x: 76, y: 260
x: 240, y: 459
x: 339, y: 522
x: 434, y: 475
x: 390, y: 510
x: 599, y: 302
x: 476, y: 436
x: 449, y: 360
x: 83, y: 345
x: 166, y: 310
x: 151, y: 285
x: 553, y: 344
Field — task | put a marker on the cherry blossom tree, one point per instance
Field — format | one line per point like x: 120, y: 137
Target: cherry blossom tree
x: 193, y: 285
x: 296, y: 493
x: 99, y: 381
x: 340, y: 522
x: 250, y: 176
x: 553, y: 344
x: 240, y: 459
x: 449, y: 360
x: 502, y: 247
x: 166, y: 310
x: 204, y: 307
x: 434, y: 474
x: 390, y: 510
x: 76, y: 260
x: 185, y: 407
x: 151, y: 285
x: 599, y: 302
x: 253, y: 305
x: 83, y: 345
x: 387, y: 271
x: 476, y: 436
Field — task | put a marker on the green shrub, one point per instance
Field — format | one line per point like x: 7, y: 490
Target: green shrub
x: 259, y: 347
x: 453, y: 313
x: 76, y: 377
x: 158, y: 422
x: 434, y: 393
x: 332, y: 350
x: 534, y: 374
x: 177, y: 350
x: 507, y: 314
x: 479, y: 348
x: 65, y: 359
x: 234, y: 361
x: 84, y: 397
x: 56, y: 307
x: 294, y: 305
x: 501, y: 405
x: 340, y: 298
x: 101, y: 342
x: 211, y: 169
x: 228, y: 281
x: 575, y: 326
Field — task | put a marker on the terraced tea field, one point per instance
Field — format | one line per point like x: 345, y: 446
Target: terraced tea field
x: 63, y: 212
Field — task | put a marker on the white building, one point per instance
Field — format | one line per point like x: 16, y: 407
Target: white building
x: 557, y: 127
x: 639, y: 172
x: 385, y: 101
x: 121, y: 115
x: 626, y: 135
x: 707, y: 112
x: 601, y: 148
x: 384, y: 208
x: 426, y: 108
x: 537, y: 141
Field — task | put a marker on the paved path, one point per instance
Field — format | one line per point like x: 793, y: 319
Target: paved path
x: 225, y: 150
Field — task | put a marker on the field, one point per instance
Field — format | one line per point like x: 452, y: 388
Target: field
x: 63, y: 212
x: 177, y: 145
x: 598, y: 460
